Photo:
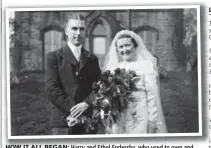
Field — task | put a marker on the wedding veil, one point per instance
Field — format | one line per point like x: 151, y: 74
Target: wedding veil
x: 112, y: 60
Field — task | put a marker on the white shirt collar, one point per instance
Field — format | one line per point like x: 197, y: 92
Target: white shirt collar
x: 76, y: 50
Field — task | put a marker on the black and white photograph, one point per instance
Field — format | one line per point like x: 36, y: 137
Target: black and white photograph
x: 104, y: 71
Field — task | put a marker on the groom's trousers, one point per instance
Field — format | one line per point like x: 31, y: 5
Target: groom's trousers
x: 77, y: 130
x: 59, y: 131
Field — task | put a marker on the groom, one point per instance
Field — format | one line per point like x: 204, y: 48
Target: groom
x: 70, y: 74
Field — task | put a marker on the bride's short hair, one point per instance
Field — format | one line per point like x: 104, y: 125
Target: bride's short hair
x: 127, y: 36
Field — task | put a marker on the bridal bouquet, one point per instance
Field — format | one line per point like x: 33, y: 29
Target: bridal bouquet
x: 112, y: 93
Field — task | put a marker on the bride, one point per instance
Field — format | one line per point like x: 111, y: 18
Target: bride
x: 144, y: 114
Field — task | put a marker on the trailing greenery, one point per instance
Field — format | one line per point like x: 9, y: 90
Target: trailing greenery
x: 190, y: 38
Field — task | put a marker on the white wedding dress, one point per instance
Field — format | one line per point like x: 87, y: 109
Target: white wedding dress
x: 144, y: 107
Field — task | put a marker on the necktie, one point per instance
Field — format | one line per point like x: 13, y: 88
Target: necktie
x: 77, y: 54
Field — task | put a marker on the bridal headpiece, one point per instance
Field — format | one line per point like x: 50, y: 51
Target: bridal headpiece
x: 143, y: 53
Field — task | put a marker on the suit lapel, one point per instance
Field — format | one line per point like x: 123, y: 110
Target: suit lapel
x: 68, y: 55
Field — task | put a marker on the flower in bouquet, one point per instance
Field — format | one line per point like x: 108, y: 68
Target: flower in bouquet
x: 113, y: 92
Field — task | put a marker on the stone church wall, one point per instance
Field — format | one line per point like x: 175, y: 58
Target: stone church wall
x: 29, y: 49
x: 166, y: 22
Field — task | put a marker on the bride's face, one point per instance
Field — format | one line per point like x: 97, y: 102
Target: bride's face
x: 125, y: 49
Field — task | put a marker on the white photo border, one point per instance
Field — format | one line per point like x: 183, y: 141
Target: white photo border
x: 8, y: 10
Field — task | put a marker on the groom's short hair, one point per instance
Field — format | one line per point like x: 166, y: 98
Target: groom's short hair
x: 74, y: 16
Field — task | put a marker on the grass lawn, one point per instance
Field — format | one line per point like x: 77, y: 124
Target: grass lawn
x: 30, y: 109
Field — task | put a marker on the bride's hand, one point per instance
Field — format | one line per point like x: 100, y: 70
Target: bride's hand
x: 71, y: 121
x: 136, y: 79
x: 152, y: 127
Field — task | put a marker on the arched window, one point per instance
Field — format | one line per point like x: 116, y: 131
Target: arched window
x: 100, y: 29
x: 99, y: 42
x: 52, y: 39
x: 149, y: 36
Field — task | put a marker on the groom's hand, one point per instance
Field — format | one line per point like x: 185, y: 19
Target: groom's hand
x: 78, y: 109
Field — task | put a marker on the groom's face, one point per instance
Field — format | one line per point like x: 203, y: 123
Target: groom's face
x: 125, y: 49
x: 75, y: 30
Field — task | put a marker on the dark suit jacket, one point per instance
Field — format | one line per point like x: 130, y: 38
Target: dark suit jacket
x: 69, y: 82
